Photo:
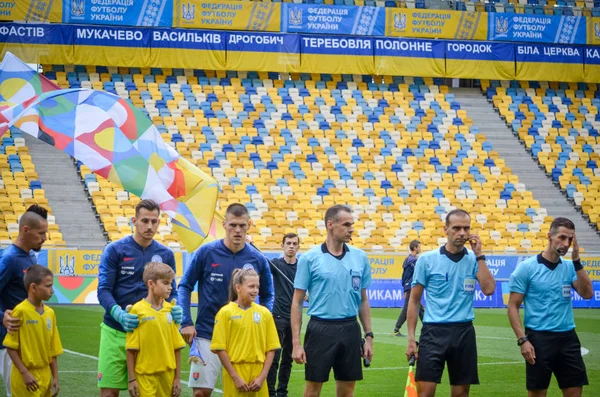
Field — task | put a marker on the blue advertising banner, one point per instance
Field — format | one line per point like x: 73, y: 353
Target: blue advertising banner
x: 479, y: 59
x: 263, y: 51
x: 388, y: 293
x: 404, y: 56
x: 326, y: 54
x: 592, y: 64
x: 537, y: 28
x: 188, y: 48
x: 112, y: 46
x: 549, y: 62
x: 38, y: 43
x: 309, y: 18
x: 119, y: 12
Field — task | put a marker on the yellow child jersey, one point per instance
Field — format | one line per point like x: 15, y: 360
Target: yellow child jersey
x: 246, y: 335
x: 156, y: 338
x: 37, y: 340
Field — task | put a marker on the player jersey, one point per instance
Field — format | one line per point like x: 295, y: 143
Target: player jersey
x: 547, y: 293
x: 449, y: 280
x: 37, y: 340
x: 334, y: 284
x: 156, y: 338
x: 246, y: 334
x: 120, y: 274
x: 211, y: 268
x: 13, y: 264
x: 284, y: 290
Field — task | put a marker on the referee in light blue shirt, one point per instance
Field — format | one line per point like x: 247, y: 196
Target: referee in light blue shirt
x: 449, y: 274
x: 549, y: 343
x: 336, y: 276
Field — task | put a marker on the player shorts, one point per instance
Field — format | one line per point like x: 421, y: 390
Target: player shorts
x: 204, y: 375
x: 5, y: 369
x: 332, y: 344
x: 248, y: 372
x: 112, y: 359
x: 452, y: 343
x: 558, y: 353
x: 155, y: 385
x: 43, y: 377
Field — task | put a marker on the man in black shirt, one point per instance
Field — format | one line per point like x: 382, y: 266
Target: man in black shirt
x: 407, y: 275
x: 283, y: 281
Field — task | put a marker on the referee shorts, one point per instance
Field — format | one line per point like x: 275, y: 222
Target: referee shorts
x: 332, y: 344
x: 558, y: 353
x: 452, y: 343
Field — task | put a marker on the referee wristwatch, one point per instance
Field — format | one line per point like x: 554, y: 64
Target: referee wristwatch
x: 369, y: 334
x: 522, y: 340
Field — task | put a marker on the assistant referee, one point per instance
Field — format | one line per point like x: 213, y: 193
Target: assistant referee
x: 549, y: 343
x: 449, y: 274
x: 336, y: 276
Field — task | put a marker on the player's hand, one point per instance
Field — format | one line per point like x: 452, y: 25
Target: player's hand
x: 30, y: 381
x: 134, y: 391
x: 11, y: 323
x: 55, y: 387
x: 188, y: 333
x: 176, y: 312
x: 368, y: 349
x: 298, y: 354
x: 411, y: 350
x: 528, y: 352
x: 240, y: 384
x: 476, y: 244
x: 176, y: 387
x: 248, y: 239
x: 575, y: 248
x: 128, y: 321
x: 256, y: 384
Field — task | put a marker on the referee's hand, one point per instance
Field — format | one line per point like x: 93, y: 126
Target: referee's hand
x: 411, y: 350
x: 298, y: 354
x: 528, y: 352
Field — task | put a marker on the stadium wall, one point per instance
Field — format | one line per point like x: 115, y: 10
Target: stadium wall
x: 77, y: 270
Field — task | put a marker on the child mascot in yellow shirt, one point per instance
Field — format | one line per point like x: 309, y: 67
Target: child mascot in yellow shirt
x: 154, y: 347
x: 245, y: 338
x: 34, y: 347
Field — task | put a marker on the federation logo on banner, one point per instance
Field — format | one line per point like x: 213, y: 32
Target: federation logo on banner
x: 400, y: 21
x: 295, y: 17
x: 501, y: 28
x: 78, y: 8
x: 188, y: 13
x: 597, y: 30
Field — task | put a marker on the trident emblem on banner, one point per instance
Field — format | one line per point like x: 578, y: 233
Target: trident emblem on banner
x: 78, y: 8
x: 400, y: 21
x: 188, y: 13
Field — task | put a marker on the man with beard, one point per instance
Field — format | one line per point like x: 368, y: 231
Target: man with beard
x: 549, y: 343
x: 449, y: 274
x: 120, y: 283
x: 283, y: 277
x: 33, y: 227
x: 211, y: 268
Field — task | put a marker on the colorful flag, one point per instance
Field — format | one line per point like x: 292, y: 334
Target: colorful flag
x: 411, y: 385
x: 115, y: 140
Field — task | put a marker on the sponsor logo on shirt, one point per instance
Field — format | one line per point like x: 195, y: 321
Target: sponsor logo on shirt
x: 127, y: 270
x: 149, y: 318
x: 156, y: 258
x: 31, y: 322
x: 215, y: 265
x: 237, y: 317
x: 126, y: 259
x: 216, y: 277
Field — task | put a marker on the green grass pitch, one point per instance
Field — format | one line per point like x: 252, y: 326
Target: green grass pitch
x: 501, y: 371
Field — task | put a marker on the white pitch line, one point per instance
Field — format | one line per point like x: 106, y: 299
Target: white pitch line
x: 81, y: 354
